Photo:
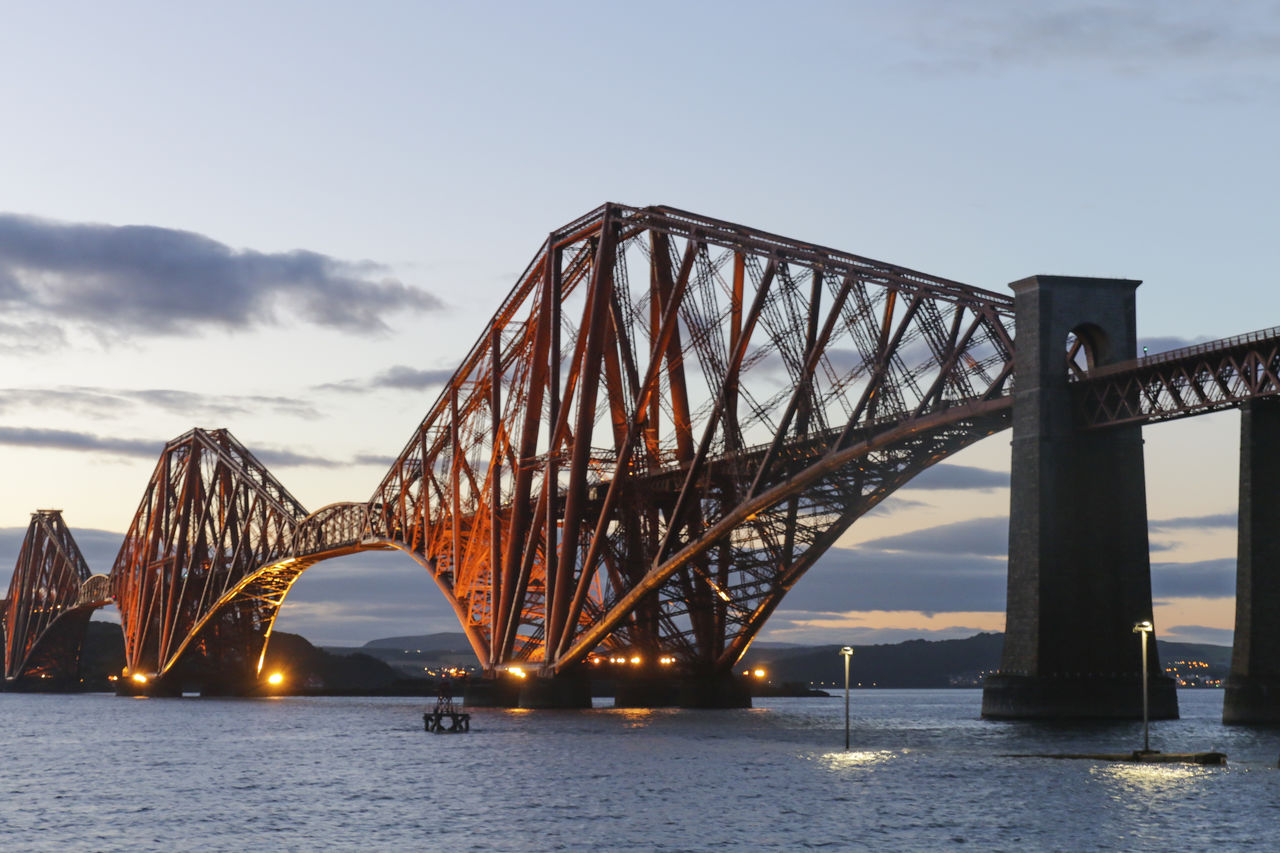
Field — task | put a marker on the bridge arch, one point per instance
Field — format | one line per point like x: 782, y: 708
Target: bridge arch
x: 1088, y: 346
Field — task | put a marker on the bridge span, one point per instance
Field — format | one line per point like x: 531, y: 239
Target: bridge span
x: 667, y: 422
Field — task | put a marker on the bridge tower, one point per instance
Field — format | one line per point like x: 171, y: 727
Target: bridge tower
x: 1253, y: 686
x: 1079, y: 571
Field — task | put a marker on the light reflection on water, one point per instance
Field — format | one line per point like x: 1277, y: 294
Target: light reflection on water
x: 855, y: 758
x: 925, y: 773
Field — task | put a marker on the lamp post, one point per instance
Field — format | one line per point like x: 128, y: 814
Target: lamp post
x: 847, y: 651
x: 1144, y: 628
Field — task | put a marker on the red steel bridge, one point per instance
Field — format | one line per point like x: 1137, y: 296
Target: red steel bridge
x: 667, y: 422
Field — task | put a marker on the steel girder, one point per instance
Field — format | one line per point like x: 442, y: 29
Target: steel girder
x: 1175, y: 384
x: 52, y: 594
x: 211, y: 518
x: 668, y: 420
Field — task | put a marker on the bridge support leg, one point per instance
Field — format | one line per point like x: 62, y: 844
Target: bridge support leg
x: 1253, y: 686
x: 1079, y: 573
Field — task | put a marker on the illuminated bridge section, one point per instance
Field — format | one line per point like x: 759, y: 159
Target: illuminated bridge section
x: 211, y: 517
x: 52, y: 595
x: 667, y: 422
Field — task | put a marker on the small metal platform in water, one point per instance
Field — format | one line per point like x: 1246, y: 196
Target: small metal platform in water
x: 445, y: 718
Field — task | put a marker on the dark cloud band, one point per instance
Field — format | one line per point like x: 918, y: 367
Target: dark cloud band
x: 61, y: 439
x: 149, y: 280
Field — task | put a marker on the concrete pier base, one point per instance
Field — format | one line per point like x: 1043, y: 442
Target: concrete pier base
x: 563, y: 691
x: 646, y: 693
x: 156, y: 687
x: 1251, y: 700
x: 719, y: 691
x: 491, y: 693
x: 1076, y: 697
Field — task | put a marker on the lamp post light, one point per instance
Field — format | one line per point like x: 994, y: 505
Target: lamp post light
x: 1144, y: 628
x: 847, y: 651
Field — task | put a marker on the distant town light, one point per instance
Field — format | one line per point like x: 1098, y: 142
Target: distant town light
x: 140, y: 678
x: 635, y: 660
x: 516, y: 671
x: 759, y: 673
x: 275, y: 678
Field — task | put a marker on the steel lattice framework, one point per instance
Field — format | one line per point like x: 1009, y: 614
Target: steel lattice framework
x: 668, y: 420
x: 52, y: 595
x: 1178, y: 383
x: 211, y: 518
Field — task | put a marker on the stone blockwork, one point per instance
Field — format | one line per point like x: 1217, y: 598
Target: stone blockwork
x: 1079, y: 573
x: 1253, y: 686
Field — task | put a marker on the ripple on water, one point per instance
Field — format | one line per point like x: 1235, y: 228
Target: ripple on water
x: 101, y: 773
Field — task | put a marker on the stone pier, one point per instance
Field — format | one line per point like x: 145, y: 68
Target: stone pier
x: 1253, y: 686
x: 1079, y: 573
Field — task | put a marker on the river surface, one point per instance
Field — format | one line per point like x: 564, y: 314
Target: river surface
x: 96, y: 772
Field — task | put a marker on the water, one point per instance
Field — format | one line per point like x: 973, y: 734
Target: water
x: 925, y: 773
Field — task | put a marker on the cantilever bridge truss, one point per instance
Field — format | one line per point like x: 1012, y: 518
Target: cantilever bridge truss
x: 668, y: 420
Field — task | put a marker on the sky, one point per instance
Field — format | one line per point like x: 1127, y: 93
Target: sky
x: 293, y: 219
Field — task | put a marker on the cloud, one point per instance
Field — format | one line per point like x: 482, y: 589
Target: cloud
x: 30, y: 337
x: 1203, y: 579
x: 1222, y: 519
x: 61, y: 439
x: 1121, y: 36
x: 374, y: 460
x: 946, y: 476
x: 119, y: 402
x: 818, y: 628
x: 160, y: 281
x: 853, y: 579
x: 982, y: 537
x: 398, y: 378
x: 1198, y: 634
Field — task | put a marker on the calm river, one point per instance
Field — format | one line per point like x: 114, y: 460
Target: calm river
x: 95, y: 772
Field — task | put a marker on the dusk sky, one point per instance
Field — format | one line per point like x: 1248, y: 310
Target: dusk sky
x: 293, y: 219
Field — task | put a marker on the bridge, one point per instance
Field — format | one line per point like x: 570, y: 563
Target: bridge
x: 667, y: 422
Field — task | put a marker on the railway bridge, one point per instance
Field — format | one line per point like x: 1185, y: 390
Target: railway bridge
x: 667, y: 422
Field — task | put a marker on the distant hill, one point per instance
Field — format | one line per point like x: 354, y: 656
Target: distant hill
x: 313, y: 670
x: 447, y: 641
x: 1218, y: 657
x: 915, y: 663
x: 934, y: 663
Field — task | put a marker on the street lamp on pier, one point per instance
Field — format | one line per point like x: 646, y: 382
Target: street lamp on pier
x: 1144, y: 628
x: 847, y: 651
